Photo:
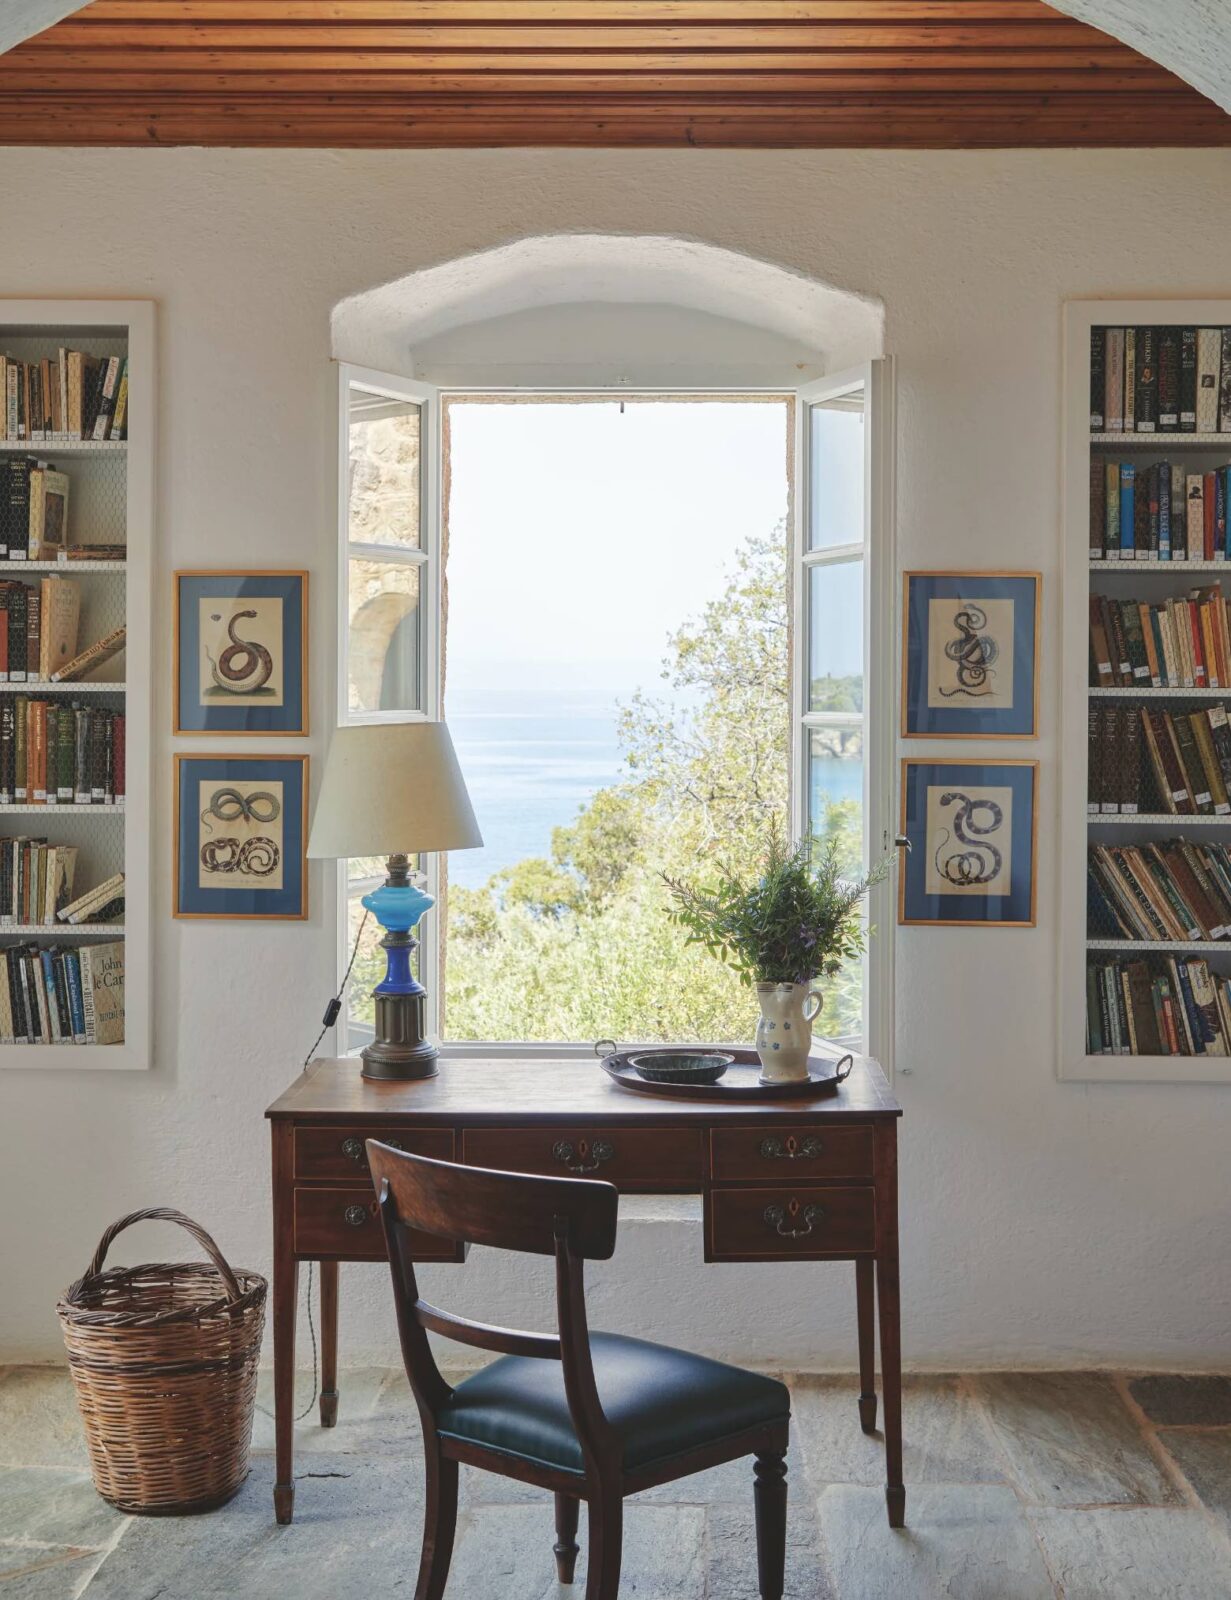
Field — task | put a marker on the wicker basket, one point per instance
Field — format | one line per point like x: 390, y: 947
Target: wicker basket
x: 164, y: 1360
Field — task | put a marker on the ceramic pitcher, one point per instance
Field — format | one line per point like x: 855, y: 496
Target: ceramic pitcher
x: 784, y: 1033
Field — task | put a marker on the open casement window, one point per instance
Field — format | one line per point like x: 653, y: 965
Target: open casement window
x: 388, y: 611
x: 843, y: 646
x: 844, y: 650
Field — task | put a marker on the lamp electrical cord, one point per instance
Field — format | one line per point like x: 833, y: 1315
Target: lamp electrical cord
x: 332, y: 1012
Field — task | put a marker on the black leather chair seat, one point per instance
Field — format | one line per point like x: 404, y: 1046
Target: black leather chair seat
x: 661, y: 1401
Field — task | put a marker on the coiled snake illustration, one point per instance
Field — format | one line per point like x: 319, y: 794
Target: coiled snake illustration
x: 980, y: 861
x: 244, y: 666
x: 257, y: 857
x: 973, y: 653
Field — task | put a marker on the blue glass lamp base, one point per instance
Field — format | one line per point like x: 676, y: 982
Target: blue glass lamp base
x: 399, y: 1050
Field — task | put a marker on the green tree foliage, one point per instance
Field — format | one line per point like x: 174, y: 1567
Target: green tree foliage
x: 581, y: 946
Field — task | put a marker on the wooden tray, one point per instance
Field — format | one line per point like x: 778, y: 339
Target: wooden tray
x: 739, y: 1082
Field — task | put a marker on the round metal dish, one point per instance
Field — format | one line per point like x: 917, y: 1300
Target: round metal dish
x: 681, y: 1066
x: 739, y: 1082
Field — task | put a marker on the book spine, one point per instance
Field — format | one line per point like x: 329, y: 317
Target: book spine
x: 87, y: 993
x: 1188, y: 380
x: 1224, y: 384
x: 1146, y: 403
x: 1111, y: 495
x: 1098, y: 507
x: 1164, y: 511
x: 1098, y: 377
x: 1128, y: 476
x: 1209, y: 357
x: 72, y: 971
x: 1168, y: 380
x: 119, y: 726
x: 1114, y: 402
x: 1194, y: 500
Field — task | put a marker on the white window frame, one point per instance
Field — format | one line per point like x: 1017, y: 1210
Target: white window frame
x: 879, y: 674
x: 427, y: 559
x: 874, y: 379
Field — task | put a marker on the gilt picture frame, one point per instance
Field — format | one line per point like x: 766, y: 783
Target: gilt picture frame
x: 970, y: 655
x: 241, y: 653
x: 973, y: 832
x: 241, y: 837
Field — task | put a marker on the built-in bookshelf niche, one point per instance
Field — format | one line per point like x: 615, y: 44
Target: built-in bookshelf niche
x: 76, y: 506
x: 1145, y: 793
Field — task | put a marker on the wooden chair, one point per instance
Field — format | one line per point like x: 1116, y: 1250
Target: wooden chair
x: 593, y: 1417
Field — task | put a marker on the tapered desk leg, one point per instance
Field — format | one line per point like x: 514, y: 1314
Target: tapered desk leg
x: 865, y: 1301
x: 329, y: 1343
x: 889, y: 1305
x: 286, y: 1297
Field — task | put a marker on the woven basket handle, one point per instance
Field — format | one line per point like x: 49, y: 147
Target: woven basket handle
x: 165, y: 1214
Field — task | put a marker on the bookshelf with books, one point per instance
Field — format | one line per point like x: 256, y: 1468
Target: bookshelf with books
x: 76, y: 507
x: 1145, y: 825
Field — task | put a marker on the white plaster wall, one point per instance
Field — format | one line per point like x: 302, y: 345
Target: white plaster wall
x: 1040, y: 1223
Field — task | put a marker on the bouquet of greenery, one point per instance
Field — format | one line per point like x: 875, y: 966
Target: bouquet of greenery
x: 796, y: 920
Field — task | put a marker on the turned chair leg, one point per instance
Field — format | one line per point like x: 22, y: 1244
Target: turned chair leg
x: 769, y: 1494
x: 439, y: 1526
x: 605, y: 1516
x: 568, y: 1512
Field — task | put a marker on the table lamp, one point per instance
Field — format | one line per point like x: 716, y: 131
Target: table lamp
x: 394, y: 789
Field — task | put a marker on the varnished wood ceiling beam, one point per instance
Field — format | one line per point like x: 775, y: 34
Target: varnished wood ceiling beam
x: 840, y: 73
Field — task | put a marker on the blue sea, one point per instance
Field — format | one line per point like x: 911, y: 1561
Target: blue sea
x: 533, y: 758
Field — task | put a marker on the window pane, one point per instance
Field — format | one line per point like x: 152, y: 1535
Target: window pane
x: 835, y: 473
x: 835, y: 810
x: 383, y: 504
x: 383, y: 668
x: 835, y: 637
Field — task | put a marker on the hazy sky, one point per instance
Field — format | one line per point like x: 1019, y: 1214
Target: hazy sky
x: 580, y: 537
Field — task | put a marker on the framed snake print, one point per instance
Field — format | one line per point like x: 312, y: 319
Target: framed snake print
x: 970, y: 655
x: 241, y: 832
x: 241, y: 652
x: 973, y: 832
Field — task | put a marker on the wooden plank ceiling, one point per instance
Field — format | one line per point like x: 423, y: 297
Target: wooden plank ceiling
x: 433, y: 73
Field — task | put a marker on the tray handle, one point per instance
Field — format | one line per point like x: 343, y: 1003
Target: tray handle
x: 604, y: 1048
x: 848, y: 1061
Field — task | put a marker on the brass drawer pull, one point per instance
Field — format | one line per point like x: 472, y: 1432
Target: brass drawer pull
x: 355, y: 1216
x: 352, y: 1149
x: 590, y: 1156
x: 776, y: 1218
x: 793, y: 1150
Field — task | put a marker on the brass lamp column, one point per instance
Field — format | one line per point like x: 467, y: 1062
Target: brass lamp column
x: 391, y: 790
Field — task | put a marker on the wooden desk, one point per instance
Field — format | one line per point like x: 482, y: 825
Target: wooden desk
x: 780, y: 1181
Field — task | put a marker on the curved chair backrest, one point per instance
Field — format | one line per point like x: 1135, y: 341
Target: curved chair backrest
x: 506, y: 1210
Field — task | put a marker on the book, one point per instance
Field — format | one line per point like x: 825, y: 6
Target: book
x: 1209, y: 359
x: 1188, y: 380
x: 1130, y: 380
x: 89, y: 659
x: 1098, y: 378
x: 1114, y: 396
x: 1168, y: 380
x: 108, y: 386
x: 81, y: 909
x: 61, y: 611
x: 1146, y: 402
x: 1098, y: 508
x: 1224, y: 384
x: 102, y: 982
x: 47, y: 524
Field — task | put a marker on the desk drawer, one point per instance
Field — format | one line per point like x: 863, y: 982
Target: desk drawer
x: 346, y: 1223
x: 339, y: 1152
x: 793, y: 1155
x: 634, y: 1158
x: 802, y: 1223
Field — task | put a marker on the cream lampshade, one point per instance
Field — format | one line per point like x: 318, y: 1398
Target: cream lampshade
x: 394, y: 789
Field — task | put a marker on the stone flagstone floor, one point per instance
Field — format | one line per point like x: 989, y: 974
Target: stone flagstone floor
x: 1019, y: 1487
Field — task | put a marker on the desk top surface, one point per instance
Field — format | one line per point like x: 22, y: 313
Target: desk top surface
x: 545, y: 1090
